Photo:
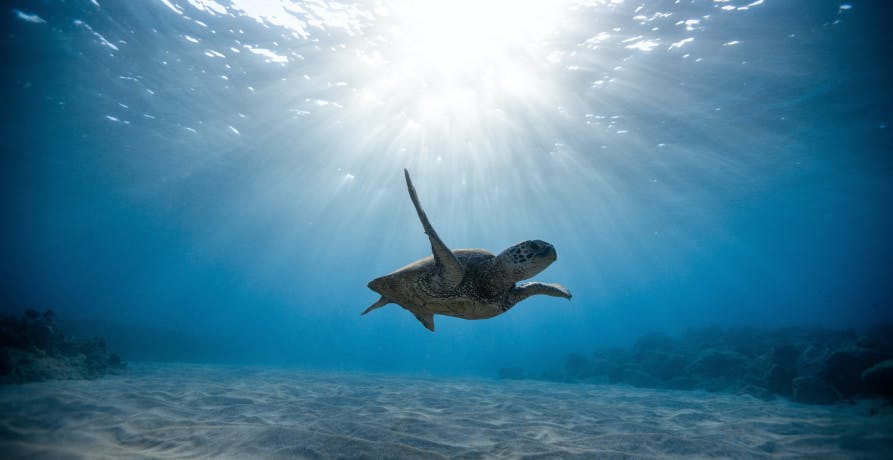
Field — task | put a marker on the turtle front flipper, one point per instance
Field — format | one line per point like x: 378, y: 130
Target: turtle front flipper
x: 449, y: 270
x: 526, y: 290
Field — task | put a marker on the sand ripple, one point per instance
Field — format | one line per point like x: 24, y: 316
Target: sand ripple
x: 183, y: 411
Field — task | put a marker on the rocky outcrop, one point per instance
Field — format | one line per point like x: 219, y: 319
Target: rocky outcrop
x: 844, y: 368
x: 33, y: 348
x: 814, y: 366
x: 813, y: 390
x: 878, y: 379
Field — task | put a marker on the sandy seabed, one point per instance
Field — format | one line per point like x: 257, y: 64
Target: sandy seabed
x: 192, y: 411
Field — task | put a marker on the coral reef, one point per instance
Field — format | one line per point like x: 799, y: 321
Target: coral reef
x: 33, y: 348
x: 814, y: 366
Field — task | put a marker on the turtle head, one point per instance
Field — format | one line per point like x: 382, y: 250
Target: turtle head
x: 526, y: 259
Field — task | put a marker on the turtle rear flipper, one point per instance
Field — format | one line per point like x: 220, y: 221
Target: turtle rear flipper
x: 382, y: 301
x: 449, y: 270
x: 427, y: 320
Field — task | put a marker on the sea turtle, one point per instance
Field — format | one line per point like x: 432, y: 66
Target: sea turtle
x: 466, y: 283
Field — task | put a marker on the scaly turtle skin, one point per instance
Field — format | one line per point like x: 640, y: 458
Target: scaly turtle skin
x: 466, y: 283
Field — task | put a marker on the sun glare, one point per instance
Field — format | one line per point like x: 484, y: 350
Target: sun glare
x: 435, y: 71
x: 461, y: 39
x: 441, y: 46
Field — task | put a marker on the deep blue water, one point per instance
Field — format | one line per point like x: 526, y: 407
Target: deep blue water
x: 218, y: 181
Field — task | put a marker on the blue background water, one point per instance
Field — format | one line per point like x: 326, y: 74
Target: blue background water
x: 218, y: 182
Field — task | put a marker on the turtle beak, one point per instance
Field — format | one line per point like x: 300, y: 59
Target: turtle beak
x: 546, y: 251
x: 549, y: 253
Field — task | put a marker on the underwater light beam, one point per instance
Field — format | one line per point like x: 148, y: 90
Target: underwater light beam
x: 450, y: 81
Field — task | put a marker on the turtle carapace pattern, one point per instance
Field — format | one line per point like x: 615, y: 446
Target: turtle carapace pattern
x: 465, y: 283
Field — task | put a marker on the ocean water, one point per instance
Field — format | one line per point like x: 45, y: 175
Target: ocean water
x: 215, y: 183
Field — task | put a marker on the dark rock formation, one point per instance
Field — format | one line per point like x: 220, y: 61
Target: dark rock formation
x: 813, y: 390
x: 715, y: 363
x: 844, y: 368
x: 815, y: 366
x: 780, y: 380
x: 785, y: 355
x: 32, y: 348
x: 879, y: 378
x: 783, y: 370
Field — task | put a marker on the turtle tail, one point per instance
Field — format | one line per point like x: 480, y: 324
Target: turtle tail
x: 378, y: 304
